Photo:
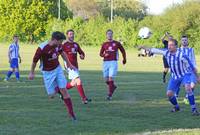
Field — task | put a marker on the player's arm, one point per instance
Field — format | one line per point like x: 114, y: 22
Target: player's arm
x: 19, y: 56
x: 153, y: 50
x: 36, y: 57
x: 65, y: 58
x: 102, y: 52
x: 121, y: 48
x: 9, y: 52
x: 193, y: 58
x: 81, y: 53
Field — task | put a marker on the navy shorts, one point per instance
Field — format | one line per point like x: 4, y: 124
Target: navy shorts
x: 14, y: 63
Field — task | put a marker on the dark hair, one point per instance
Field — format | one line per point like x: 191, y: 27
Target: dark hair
x: 184, y: 36
x: 174, y: 41
x: 109, y: 30
x: 15, y: 36
x: 58, y: 35
x: 70, y: 30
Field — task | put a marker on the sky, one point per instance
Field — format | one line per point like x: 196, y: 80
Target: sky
x: 157, y: 7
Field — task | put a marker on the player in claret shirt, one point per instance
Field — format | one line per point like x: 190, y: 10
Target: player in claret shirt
x: 53, y: 74
x: 109, y: 52
x: 71, y: 48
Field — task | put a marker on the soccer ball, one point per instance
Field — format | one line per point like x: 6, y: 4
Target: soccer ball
x: 144, y: 33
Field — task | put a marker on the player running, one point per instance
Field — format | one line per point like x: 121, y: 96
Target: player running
x: 14, y: 59
x: 109, y: 51
x: 71, y: 48
x: 180, y: 74
x: 53, y: 74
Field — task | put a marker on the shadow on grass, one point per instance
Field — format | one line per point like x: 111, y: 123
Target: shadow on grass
x: 139, y: 105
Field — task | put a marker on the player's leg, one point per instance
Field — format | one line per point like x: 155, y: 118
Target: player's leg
x: 106, y: 73
x: 81, y: 91
x: 171, y: 89
x: 166, y: 69
x: 191, y: 97
x: 112, y: 73
x: 10, y: 72
x: 61, y: 82
x: 16, y: 66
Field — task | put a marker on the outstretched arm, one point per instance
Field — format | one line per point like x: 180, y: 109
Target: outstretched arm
x: 153, y: 50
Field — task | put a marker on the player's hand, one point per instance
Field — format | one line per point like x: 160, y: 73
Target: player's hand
x: 82, y: 56
x: 31, y: 76
x: 124, y: 61
x: 106, y: 54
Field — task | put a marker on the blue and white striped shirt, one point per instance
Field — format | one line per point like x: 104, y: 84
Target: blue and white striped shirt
x: 179, y: 63
x: 190, y: 53
x: 14, y: 51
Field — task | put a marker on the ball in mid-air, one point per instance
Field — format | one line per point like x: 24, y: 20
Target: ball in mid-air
x: 144, y: 33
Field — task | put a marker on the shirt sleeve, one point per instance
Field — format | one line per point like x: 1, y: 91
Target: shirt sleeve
x: 80, y: 51
x: 158, y: 51
x: 102, y: 51
x: 11, y: 48
x: 193, y: 58
x: 37, y: 55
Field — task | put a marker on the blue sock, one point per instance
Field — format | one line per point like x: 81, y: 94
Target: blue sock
x: 17, y: 75
x: 9, y: 74
x: 173, y: 101
x: 191, y: 100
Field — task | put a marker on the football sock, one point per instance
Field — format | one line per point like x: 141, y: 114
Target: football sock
x: 81, y: 92
x: 9, y: 74
x: 173, y: 101
x: 69, y: 86
x: 17, y: 75
x: 69, y: 106
x: 191, y: 99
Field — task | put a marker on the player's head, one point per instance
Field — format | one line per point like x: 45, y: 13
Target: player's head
x: 172, y: 45
x: 70, y: 35
x: 57, y: 37
x: 109, y: 34
x: 184, y: 41
x: 15, y: 38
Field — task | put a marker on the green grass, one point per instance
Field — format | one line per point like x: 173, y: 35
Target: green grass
x: 139, y: 105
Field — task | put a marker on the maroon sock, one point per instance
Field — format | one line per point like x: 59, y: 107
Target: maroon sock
x: 69, y: 106
x: 111, y: 87
x: 69, y: 86
x: 81, y: 92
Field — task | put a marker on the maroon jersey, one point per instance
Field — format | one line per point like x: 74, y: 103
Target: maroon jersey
x: 48, y: 56
x: 111, y: 49
x: 71, y: 49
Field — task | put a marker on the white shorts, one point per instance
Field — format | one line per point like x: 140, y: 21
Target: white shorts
x: 53, y: 79
x: 72, y: 74
x: 110, y: 68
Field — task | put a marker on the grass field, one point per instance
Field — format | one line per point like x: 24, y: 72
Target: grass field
x: 139, y: 105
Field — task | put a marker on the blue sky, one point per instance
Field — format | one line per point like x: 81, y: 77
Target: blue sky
x: 158, y: 6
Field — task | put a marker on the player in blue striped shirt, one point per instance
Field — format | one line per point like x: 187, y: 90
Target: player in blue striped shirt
x: 13, y: 55
x: 190, y: 53
x: 181, y: 68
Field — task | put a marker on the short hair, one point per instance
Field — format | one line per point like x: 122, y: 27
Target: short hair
x: 70, y: 30
x: 109, y: 30
x: 174, y: 41
x: 58, y: 35
x: 15, y: 36
x: 184, y: 36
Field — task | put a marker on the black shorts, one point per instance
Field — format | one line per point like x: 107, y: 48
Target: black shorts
x: 165, y: 63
